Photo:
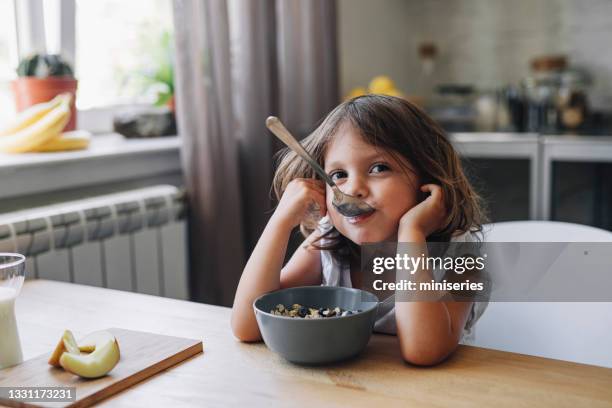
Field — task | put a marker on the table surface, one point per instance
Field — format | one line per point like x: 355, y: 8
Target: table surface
x: 231, y: 373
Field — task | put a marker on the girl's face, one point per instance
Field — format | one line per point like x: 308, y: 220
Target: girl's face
x: 370, y: 173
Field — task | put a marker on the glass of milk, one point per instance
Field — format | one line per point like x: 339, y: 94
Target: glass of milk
x: 12, y: 272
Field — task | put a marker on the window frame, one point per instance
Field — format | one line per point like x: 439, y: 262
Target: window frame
x: 30, y: 34
x: 14, y: 37
x: 8, y: 74
x: 30, y: 26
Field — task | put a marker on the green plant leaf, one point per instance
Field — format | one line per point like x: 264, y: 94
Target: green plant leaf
x: 160, y: 69
x: 163, y: 98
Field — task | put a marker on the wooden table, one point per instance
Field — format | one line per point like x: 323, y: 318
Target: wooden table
x: 230, y: 373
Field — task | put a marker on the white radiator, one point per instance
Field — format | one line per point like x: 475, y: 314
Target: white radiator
x: 134, y: 241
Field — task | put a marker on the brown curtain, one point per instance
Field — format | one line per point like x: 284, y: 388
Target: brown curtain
x: 307, y: 62
x: 238, y: 62
x: 253, y: 34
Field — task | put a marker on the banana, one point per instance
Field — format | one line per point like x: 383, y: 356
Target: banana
x: 38, y: 133
x: 74, y: 140
x: 31, y: 115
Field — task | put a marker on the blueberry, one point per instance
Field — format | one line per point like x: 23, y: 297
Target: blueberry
x: 302, y: 311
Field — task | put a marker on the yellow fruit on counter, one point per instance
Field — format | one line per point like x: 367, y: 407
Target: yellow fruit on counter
x: 30, y: 116
x: 381, y: 84
x: 40, y: 132
x: 73, y: 140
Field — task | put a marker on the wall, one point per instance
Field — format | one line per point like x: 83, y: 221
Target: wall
x: 483, y: 42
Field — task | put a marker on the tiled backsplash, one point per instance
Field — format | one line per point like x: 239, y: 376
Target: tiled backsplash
x: 482, y: 42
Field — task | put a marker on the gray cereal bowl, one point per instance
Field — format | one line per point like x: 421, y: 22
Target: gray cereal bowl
x: 317, y: 341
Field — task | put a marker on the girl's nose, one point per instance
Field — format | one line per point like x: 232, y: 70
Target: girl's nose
x: 356, y: 187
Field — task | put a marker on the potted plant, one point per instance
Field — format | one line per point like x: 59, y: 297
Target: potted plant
x: 41, y: 77
x: 159, y: 75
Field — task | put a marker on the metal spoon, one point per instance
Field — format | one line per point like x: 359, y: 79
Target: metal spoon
x: 346, y: 205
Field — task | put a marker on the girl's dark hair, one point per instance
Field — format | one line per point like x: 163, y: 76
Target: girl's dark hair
x: 405, y: 131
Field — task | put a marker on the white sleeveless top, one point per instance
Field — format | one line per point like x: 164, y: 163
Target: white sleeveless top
x: 338, y: 273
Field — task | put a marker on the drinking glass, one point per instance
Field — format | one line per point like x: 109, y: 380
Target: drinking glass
x: 12, y: 273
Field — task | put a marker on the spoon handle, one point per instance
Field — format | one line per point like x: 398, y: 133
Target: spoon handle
x: 276, y: 126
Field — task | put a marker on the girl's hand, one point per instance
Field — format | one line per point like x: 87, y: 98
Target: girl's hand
x: 300, y: 196
x: 427, y: 216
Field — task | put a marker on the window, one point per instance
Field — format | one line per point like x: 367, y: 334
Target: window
x: 115, y: 46
x: 8, y: 59
x: 116, y: 42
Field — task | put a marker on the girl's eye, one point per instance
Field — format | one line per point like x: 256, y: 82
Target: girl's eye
x: 337, y: 175
x: 379, y: 168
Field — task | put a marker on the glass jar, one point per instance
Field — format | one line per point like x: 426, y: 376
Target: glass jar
x: 541, y: 90
x: 572, y: 101
x: 555, y: 96
x: 541, y: 94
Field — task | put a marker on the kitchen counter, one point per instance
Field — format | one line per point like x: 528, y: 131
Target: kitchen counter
x: 230, y: 373
x: 121, y: 163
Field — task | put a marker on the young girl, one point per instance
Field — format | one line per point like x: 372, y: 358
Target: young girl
x: 390, y: 154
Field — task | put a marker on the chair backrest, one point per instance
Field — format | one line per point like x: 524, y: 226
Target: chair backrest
x: 572, y: 331
x: 544, y: 231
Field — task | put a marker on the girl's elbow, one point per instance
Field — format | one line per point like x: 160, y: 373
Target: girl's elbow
x: 426, y: 356
x: 243, y: 333
x: 247, y: 337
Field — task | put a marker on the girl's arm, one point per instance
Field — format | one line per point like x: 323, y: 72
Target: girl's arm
x: 428, y: 331
x: 304, y: 267
x: 262, y: 273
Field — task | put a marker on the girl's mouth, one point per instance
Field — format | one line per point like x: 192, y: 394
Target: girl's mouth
x: 359, y: 218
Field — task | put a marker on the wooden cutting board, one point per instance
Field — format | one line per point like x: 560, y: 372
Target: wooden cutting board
x: 142, y: 355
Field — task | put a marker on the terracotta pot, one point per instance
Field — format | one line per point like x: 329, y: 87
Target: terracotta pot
x: 29, y: 91
x: 171, y: 104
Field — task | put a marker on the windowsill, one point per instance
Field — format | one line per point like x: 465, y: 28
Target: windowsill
x: 110, y: 158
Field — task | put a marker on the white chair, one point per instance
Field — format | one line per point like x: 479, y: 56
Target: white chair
x: 572, y: 331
